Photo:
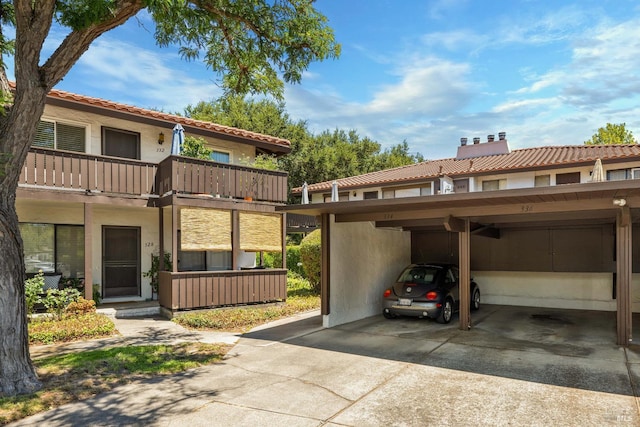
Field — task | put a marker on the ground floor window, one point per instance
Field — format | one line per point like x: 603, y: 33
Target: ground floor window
x: 194, y: 260
x: 53, y: 248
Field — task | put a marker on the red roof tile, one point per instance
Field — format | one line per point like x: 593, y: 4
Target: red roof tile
x: 527, y: 158
x: 115, y: 106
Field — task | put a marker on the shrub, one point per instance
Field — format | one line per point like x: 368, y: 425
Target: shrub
x: 80, y: 307
x: 33, y: 291
x: 294, y: 261
x: 97, y: 296
x: 274, y: 259
x: 155, y: 267
x: 86, y: 326
x: 311, y: 258
x: 57, y: 300
x: 72, y: 282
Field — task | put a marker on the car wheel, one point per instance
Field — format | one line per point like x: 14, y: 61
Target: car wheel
x: 388, y: 315
x: 447, y: 312
x: 475, y: 299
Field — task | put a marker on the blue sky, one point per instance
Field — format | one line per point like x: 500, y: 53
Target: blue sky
x: 428, y: 72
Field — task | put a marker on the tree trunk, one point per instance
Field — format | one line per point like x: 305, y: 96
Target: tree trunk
x: 17, y: 129
x: 17, y: 375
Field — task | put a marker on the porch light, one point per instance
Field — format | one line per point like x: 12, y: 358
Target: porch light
x: 160, y: 138
x: 619, y: 202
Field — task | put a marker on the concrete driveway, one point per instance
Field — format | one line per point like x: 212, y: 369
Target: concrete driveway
x: 517, y: 366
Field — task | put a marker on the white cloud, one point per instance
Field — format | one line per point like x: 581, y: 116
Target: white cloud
x: 156, y: 77
x: 427, y: 86
x: 524, y: 104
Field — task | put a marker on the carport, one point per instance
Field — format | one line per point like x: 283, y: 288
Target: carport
x: 364, y: 242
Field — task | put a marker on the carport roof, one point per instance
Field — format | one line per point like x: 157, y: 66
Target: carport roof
x: 564, y: 202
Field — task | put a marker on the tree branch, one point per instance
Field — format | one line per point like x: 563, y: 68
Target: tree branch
x: 78, y: 41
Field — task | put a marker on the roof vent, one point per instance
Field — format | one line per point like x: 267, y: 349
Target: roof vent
x: 491, y: 138
x: 502, y: 136
x: 476, y: 140
x: 463, y: 141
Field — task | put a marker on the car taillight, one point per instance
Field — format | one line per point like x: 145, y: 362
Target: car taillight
x: 433, y: 295
x: 387, y: 293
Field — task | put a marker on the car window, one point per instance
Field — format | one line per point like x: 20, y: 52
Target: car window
x: 418, y: 275
x: 450, y: 277
x: 454, y: 271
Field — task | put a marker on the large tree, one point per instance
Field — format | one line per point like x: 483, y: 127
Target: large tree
x: 251, y: 45
x: 612, y: 134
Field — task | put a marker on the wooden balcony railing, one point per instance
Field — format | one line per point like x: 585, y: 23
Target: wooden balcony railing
x: 192, y: 176
x: 70, y: 170
x: 200, y: 289
x: 79, y: 171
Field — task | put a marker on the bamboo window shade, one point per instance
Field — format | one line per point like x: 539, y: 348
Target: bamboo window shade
x: 205, y: 230
x: 260, y: 232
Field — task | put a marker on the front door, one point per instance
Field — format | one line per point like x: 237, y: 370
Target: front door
x: 120, y: 261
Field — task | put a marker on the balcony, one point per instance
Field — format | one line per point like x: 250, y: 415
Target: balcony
x: 66, y: 170
x: 185, y: 175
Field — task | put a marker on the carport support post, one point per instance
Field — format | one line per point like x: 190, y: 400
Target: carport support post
x: 623, y: 276
x: 325, y: 272
x: 464, y: 242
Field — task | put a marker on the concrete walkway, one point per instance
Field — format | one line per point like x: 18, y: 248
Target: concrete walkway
x: 375, y: 372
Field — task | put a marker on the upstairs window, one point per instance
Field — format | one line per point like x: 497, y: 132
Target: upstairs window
x: 542, y: 180
x: 619, y: 175
x: 60, y: 136
x: 494, y: 185
x: 568, y: 178
x: 120, y: 143
x: 368, y: 195
x: 220, y: 156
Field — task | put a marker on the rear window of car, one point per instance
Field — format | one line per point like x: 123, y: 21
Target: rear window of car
x: 418, y: 275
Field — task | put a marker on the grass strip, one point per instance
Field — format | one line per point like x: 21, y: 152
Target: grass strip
x: 77, y: 376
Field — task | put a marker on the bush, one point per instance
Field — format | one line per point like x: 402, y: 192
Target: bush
x: 33, y: 291
x: 294, y: 262
x: 80, y: 307
x: 311, y: 258
x: 155, y: 267
x: 72, y: 282
x: 56, y: 301
x: 70, y: 328
x: 274, y: 259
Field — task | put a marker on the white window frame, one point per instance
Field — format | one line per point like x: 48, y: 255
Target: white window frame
x: 85, y: 126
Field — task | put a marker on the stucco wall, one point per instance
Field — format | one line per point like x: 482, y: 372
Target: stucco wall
x: 364, y: 261
x: 585, y: 291
x: 150, y: 151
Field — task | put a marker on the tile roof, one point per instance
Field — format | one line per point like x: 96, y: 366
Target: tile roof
x: 527, y: 158
x: 172, y: 118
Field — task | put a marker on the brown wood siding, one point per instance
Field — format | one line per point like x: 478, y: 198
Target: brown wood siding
x: 70, y: 170
x: 204, y: 289
x: 192, y: 176
x: 79, y: 171
x: 542, y: 249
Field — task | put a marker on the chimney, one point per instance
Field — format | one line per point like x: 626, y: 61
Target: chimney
x: 492, y: 148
